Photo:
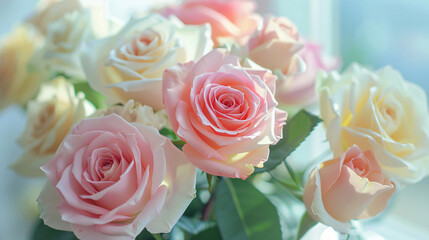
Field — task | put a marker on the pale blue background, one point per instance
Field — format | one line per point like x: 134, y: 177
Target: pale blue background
x: 372, y: 32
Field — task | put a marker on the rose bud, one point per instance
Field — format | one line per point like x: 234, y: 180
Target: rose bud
x: 346, y: 188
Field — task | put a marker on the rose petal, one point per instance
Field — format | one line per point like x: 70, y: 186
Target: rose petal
x: 180, y: 179
x: 48, y: 201
x: 240, y: 165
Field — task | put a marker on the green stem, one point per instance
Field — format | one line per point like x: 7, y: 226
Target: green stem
x: 157, y: 236
x: 292, y: 189
x: 212, y: 189
x: 208, y: 208
x: 292, y: 174
x: 285, y: 184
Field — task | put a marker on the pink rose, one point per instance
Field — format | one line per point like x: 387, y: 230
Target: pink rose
x: 300, y: 89
x: 225, y: 113
x: 234, y: 18
x: 110, y: 179
x: 346, y: 188
x: 275, y: 46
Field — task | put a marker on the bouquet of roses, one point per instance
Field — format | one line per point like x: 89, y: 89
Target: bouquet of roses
x: 174, y: 125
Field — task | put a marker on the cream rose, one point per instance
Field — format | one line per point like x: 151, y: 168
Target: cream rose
x: 346, y: 188
x: 50, y: 117
x: 48, y: 11
x: 130, y: 64
x: 64, y: 40
x: 19, y: 77
x: 134, y: 112
x: 381, y: 112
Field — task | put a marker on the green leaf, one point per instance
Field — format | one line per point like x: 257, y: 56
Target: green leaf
x: 194, y: 225
x: 294, y: 132
x: 194, y: 207
x: 242, y: 212
x: 96, y: 98
x: 166, y: 132
x: 292, y: 174
x: 43, y: 232
x: 306, y: 223
x: 208, y: 234
x: 146, y: 235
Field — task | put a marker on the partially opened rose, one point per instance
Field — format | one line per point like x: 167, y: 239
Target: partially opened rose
x: 50, y: 117
x: 111, y: 179
x: 275, y: 46
x: 300, y: 89
x: 64, y: 39
x: 233, y: 19
x: 346, y: 188
x: 381, y: 112
x: 20, y: 78
x: 135, y: 112
x: 48, y: 11
x: 227, y: 114
x: 130, y: 64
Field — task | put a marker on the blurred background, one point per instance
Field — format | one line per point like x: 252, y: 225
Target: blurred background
x: 373, y: 33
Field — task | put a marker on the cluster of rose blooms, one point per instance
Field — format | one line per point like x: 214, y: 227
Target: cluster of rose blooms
x: 217, y: 74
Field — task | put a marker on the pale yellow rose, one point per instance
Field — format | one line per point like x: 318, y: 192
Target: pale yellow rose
x: 135, y: 112
x: 19, y: 77
x: 130, y: 64
x: 50, y: 117
x: 381, y: 112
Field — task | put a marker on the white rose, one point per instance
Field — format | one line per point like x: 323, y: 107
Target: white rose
x: 80, y: 21
x: 381, y: 112
x: 19, y: 77
x: 64, y: 40
x: 130, y: 64
x: 50, y: 117
x: 49, y: 11
x: 135, y: 112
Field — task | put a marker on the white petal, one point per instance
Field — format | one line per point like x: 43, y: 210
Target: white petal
x: 180, y: 180
x: 47, y: 201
